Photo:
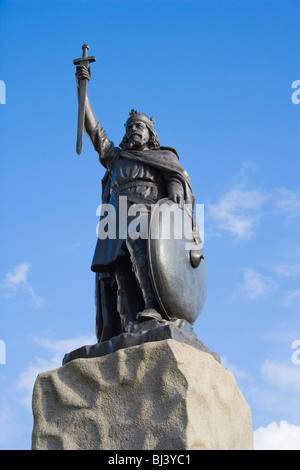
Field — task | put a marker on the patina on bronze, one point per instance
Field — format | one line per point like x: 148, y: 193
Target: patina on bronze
x: 137, y: 279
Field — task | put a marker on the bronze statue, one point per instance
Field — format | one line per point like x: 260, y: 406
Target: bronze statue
x: 128, y: 289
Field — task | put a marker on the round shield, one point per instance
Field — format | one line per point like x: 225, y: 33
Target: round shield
x: 177, y: 262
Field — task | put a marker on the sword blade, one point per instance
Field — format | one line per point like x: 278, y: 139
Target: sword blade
x: 81, y: 114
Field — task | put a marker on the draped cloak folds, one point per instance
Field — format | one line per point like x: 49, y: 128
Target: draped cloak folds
x: 166, y: 161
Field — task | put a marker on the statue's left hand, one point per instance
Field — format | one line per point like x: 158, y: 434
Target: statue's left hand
x: 82, y: 73
x: 178, y: 199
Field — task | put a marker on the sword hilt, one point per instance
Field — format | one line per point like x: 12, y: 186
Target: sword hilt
x: 85, y: 49
x: 84, y: 60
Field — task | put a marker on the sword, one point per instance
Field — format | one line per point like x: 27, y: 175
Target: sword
x: 86, y: 61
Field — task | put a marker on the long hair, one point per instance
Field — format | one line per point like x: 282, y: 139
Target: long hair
x: 153, y: 141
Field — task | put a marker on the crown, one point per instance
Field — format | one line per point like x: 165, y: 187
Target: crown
x: 137, y: 116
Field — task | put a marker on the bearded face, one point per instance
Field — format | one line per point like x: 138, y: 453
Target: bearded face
x: 137, y: 135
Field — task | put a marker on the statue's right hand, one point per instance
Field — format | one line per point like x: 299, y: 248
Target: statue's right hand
x: 82, y: 73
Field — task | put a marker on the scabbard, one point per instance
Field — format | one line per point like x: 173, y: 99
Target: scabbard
x: 81, y: 114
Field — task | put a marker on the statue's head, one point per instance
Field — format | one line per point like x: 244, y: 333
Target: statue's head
x: 140, y: 133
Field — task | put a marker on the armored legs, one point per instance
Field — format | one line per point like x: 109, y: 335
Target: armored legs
x: 139, y: 260
x: 135, y: 296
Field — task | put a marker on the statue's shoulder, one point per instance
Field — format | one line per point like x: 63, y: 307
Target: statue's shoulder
x: 170, y: 149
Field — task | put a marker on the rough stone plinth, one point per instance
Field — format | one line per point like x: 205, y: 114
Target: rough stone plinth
x: 162, y: 395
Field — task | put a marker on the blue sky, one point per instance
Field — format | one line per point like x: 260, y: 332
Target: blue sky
x: 217, y: 76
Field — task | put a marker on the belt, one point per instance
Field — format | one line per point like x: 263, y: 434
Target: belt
x: 133, y: 184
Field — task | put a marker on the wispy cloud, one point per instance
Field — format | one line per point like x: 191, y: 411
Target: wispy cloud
x: 255, y: 284
x: 287, y: 270
x: 278, y: 390
x: 284, y: 272
x: 16, y: 277
x: 15, y: 282
x: 287, y: 201
x: 239, y: 210
x: 291, y: 297
x: 282, y: 375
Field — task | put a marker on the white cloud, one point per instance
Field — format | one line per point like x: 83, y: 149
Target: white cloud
x: 281, y: 375
x: 287, y: 270
x: 290, y: 297
x: 15, y: 282
x: 282, y: 436
x: 256, y: 285
x: 287, y: 201
x: 16, y: 277
x: 238, y: 211
x: 57, y: 349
